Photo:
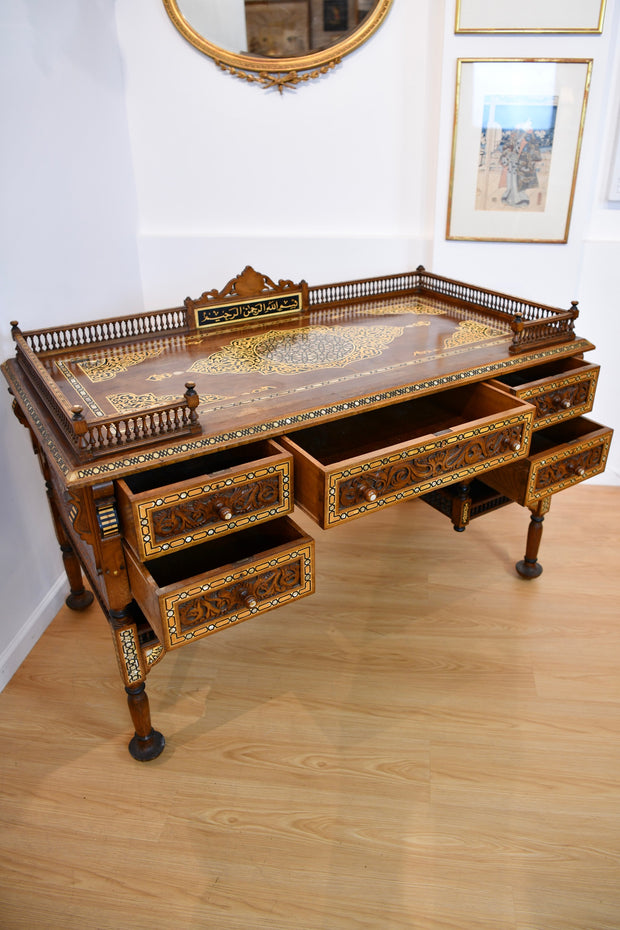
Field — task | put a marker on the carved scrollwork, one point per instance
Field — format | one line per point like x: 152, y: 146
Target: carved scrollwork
x: 210, y: 606
x: 78, y: 514
x: 249, y: 283
x: 449, y: 458
x: 187, y: 516
x: 574, y: 467
x: 573, y: 395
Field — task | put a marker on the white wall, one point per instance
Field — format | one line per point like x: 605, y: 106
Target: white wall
x: 330, y: 181
x: 68, y: 250
x: 137, y: 173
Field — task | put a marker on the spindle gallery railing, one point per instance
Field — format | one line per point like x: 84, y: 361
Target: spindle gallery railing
x: 530, y: 322
x: 104, y: 435
x: 531, y: 333
x: 126, y: 328
x: 44, y: 385
x: 365, y: 289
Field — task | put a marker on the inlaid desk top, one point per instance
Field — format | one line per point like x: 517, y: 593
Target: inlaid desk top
x: 263, y: 376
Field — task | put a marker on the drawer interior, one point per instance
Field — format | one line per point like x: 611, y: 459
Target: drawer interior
x: 210, y: 464
x: 560, y: 433
x: 213, y: 554
x: 433, y: 415
x: 517, y: 379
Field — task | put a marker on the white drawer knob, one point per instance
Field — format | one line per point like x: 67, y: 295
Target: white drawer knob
x: 224, y: 511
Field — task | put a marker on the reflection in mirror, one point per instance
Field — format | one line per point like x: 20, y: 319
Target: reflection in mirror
x: 275, y: 28
x: 293, y: 39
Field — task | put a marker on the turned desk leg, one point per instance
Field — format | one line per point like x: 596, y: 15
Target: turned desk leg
x: 461, y: 507
x: 529, y: 566
x: 146, y: 743
x: 79, y: 598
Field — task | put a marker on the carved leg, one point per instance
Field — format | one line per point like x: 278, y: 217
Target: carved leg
x: 146, y: 743
x: 529, y: 567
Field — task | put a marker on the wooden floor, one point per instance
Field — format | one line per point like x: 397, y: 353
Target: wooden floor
x: 428, y: 742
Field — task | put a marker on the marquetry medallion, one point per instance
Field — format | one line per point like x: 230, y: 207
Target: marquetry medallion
x: 307, y: 348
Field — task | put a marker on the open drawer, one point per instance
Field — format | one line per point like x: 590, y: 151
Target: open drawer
x: 348, y: 468
x: 558, y: 390
x: 560, y: 456
x: 191, y: 593
x: 186, y: 503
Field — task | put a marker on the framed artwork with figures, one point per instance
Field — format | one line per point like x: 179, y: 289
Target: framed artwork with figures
x: 518, y: 126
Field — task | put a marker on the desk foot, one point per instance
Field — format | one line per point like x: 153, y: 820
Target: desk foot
x: 146, y: 748
x: 529, y: 569
x: 79, y: 600
x: 146, y: 743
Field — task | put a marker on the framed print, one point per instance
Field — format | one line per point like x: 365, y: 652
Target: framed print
x: 518, y: 125
x: 530, y: 16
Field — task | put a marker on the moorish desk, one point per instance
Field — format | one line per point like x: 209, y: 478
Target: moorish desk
x: 174, y: 445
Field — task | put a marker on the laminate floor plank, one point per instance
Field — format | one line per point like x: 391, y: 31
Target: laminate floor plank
x: 427, y: 743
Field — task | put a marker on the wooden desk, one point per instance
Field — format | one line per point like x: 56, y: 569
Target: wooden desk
x: 175, y: 444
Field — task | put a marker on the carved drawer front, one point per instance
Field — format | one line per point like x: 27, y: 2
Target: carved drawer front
x: 188, y: 502
x: 558, y: 390
x: 198, y: 591
x: 560, y: 456
x: 349, y: 468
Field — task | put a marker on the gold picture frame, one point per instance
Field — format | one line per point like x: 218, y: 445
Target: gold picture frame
x: 530, y: 16
x: 518, y: 128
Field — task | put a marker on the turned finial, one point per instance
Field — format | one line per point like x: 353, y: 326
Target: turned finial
x: 192, y: 399
x: 80, y: 426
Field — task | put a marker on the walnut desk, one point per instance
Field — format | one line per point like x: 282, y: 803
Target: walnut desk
x: 174, y: 445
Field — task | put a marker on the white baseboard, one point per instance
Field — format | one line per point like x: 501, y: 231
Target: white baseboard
x: 41, y: 617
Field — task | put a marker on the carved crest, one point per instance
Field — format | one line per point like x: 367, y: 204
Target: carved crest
x: 247, y: 296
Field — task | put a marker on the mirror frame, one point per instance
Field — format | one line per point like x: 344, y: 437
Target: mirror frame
x: 280, y: 73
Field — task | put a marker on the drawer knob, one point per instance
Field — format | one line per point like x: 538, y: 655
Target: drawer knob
x: 368, y: 493
x: 224, y: 511
x: 515, y: 445
x: 561, y: 402
x: 580, y: 471
x: 250, y: 601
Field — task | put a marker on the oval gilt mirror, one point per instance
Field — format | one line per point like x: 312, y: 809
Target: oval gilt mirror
x: 277, y: 43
